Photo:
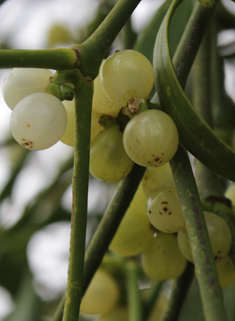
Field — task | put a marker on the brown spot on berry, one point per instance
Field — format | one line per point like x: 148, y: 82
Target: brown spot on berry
x: 164, y: 202
x: 26, y: 143
x: 156, y: 159
x: 160, y: 213
x: 169, y: 213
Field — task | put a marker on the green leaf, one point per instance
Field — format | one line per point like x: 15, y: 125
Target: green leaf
x: 195, y: 134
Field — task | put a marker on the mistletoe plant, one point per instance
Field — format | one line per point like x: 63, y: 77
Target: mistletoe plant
x: 121, y: 125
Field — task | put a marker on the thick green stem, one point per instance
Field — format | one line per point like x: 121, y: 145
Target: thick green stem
x: 58, y: 59
x: 107, y: 228
x: 83, y: 103
x: 198, y: 236
x: 94, y: 49
x: 86, y: 56
x: 135, y: 307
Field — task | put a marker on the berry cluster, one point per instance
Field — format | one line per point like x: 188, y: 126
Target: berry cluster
x: 153, y: 235
x: 125, y: 79
x: 150, y: 138
x: 124, y: 83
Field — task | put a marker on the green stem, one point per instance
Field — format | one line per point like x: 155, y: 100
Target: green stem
x: 133, y: 293
x: 107, y: 228
x: 198, y: 236
x: 129, y: 35
x: 86, y: 56
x: 207, y: 181
x: 83, y: 103
x: 110, y: 222
x: 146, y: 40
x: 94, y: 49
x: 191, y: 39
x: 226, y: 213
x: 58, y: 315
x: 153, y: 293
x: 58, y: 59
x: 202, y: 80
x: 207, y: 3
x: 178, y: 293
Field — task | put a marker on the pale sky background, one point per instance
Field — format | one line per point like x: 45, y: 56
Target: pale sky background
x: 27, y: 22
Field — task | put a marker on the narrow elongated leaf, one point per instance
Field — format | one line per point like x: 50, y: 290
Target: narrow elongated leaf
x: 195, y: 134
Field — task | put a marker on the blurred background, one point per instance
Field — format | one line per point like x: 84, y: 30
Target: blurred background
x: 35, y: 187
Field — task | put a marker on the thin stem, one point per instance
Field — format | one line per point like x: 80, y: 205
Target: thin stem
x: 198, y: 236
x: 133, y: 293
x: 153, y: 293
x: 191, y: 39
x: 226, y: 213
x: 202, y: 80
x: 110, y: 222
x: 207, y: 180
x: 179, y: 291
x: 83, y: 103
x: 58, y: 59
x: 129, y: 35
